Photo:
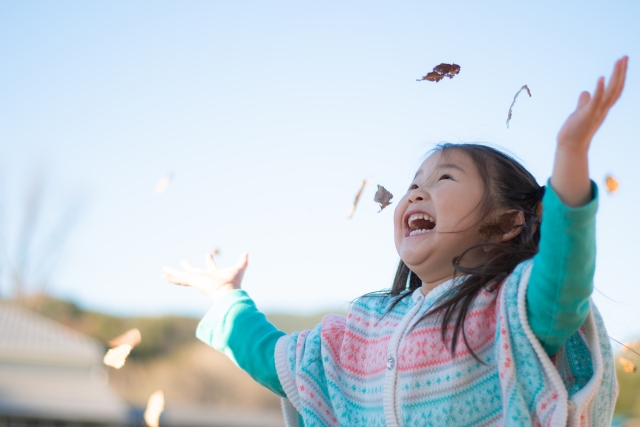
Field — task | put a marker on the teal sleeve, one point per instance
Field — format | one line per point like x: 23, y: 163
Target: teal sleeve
x: 561, y: 280
x: 235, y: 327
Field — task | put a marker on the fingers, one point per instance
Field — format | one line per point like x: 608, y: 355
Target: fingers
x: 604, y: 98
x: 189, y: 267
x: 243, y: 261
x: 175, y: 276
x: 175, y: 280
x: 208, y: 259
x: 583, y: 100
x: 598, y: 95
x: 616, y: 83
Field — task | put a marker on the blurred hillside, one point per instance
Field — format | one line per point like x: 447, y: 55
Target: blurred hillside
x: 190, y: 373
x: 170, y: 357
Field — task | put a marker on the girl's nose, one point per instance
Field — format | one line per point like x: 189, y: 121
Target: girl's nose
x: 418, y: 195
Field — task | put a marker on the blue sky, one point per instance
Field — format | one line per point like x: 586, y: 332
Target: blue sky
x: 270, y: 114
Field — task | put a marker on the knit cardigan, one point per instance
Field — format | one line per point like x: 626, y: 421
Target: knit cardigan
x: 375, y: 369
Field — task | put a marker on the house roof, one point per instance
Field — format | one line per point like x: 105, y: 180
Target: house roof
x: 50, y: 371
x: 29, y: 336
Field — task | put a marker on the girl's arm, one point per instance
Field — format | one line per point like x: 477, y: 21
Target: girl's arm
x: 562, y: 278
x: 234, y: 325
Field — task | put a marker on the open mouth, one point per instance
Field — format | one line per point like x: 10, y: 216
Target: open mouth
x: 420, y: 223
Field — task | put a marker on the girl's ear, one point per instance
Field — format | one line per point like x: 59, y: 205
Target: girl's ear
x: 512, y: 224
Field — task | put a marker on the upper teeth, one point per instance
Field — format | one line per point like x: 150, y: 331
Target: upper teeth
x: 420, y: 216
x: 417, y: 228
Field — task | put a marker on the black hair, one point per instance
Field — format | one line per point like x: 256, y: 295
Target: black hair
x: 507, y: 185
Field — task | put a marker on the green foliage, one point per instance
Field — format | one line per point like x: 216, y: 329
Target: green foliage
x: 161, y: 336
x: 628, y: 403
x: 291, y: 323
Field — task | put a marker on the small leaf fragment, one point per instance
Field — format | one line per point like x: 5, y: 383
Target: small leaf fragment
x: 525, y: 87
x: 612, y: 184
x: 154, y: 409
x: 382, y: 196
x: 355, y: 202
x: 116, y: 357
x: 627, y: 365
x: 131, y: 337
x: 163, y: 184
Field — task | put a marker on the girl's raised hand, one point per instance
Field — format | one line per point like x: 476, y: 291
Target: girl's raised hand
x: 570, y: 177
x: 577, y: 132
x: 212, y: 281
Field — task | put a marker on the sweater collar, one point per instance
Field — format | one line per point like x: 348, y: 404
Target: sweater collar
x: 436, y: 292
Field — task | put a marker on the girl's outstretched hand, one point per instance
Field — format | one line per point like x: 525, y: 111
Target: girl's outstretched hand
x: 212, y: 280
x: 577, y: 132
x: 570, y: 178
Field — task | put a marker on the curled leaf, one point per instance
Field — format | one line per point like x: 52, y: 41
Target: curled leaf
x: 355, y: 202
x: 441, y: 71
x: 525, y: 87
x: 382, y: 196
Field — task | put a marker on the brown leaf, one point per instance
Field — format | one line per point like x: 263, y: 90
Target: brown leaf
x: 441, y: 71
x: 525, y: 87
x: 493, y: 229
x: 355, y: 202
x: 382, y: 196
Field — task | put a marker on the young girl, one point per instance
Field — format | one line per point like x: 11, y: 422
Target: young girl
x: 488, y: 321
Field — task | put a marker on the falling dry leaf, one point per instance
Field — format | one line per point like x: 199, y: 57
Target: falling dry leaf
x: 441, y: 71
x: 163, y: 184
x: 116, y: 357
x: 612, y: 184
x: 131, y: 337
x: 382, y: 196
x: 355, y: 202
x: 627, y: 365
x: 525, y: 87
x: 155, y: 406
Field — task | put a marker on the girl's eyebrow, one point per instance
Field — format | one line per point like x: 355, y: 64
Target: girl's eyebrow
x: 443, y: 166
x: 450, y: 166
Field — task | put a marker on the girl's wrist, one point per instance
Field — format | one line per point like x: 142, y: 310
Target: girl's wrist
x: 217, y: 294
x: 572, y: 149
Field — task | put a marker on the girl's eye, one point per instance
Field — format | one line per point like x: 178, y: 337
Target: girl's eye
x: 446, y: 177
x: 413, y: 187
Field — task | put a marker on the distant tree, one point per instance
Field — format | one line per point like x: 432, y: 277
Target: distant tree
x: 32, y: 238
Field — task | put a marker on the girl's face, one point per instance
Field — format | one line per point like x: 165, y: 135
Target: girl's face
x: 437, y: 219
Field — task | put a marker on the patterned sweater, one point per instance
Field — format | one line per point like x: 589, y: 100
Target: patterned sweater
x: 553, y: 301
x: 373, y: 370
